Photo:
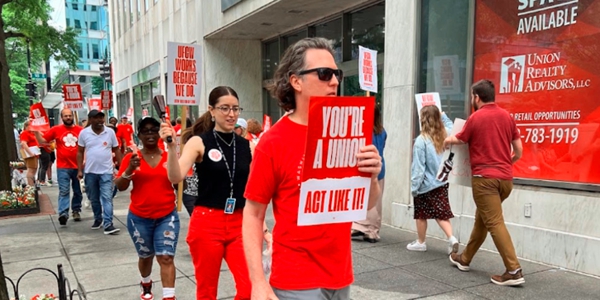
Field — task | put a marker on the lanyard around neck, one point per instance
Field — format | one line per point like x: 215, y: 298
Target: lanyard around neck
x: 230, y: 172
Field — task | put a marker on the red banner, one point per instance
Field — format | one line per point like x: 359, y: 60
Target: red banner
x: 332, y: 188
x: 106, y: 97
x: 38, y: 117
x: 543, y: 58
x: 73, y: 96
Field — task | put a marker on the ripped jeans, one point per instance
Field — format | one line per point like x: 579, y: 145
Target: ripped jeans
x: 154, y: 236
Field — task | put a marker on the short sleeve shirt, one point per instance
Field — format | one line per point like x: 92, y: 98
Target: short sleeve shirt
x: 304, y: 257
x: 125, y: 131
x: 98, y: 150
x: 28, y: 137
x: 489, y: 133
x: 66, y: 138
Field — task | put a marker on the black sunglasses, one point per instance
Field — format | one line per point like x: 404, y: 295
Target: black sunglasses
x: 325, y: 74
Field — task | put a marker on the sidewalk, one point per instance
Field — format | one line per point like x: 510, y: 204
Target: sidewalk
x: 105, y: 267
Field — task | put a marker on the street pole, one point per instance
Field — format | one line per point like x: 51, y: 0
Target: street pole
x: 29, y: 71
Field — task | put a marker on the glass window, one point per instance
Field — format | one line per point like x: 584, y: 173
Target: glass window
x: 332, y: 31
x: 351, y: 87
x: 75, y: 6
x: 443, y: 56
x: 292, y: 38
x: 270, y: 58
x: 82, y: 79
x: 84, y: 7
x: 139, y: 8
x: 68, y: 22
x: 123, y: 103
x: 147, y: 4
x: 95, y: 51
x: 367, y: 28
x: 131, y: 13
x: 137, y: 103
x: 80, y: 49
x: 77, y: 23
x: 94, y: 25
x: 271, y: 107
x: 94, y: 8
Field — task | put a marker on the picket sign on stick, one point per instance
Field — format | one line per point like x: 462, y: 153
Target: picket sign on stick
x: 184, y: 113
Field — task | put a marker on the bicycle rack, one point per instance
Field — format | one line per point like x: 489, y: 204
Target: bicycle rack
x: 64, y: 287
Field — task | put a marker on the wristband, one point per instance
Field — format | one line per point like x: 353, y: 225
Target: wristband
x: 128, y: 177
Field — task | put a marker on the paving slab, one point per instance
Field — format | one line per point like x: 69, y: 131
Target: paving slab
x: 547, y: 285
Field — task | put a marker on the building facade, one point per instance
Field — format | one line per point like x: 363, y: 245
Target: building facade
x: 90, y: 17
x: 530, y: 49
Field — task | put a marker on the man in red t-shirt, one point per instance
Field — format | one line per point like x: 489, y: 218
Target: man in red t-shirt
x: 309, y: 262
x: 66, y: 136
x: 124, y: 133
x: 490, y: 132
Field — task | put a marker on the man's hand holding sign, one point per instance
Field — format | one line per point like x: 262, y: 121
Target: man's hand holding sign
x: 339, y: 166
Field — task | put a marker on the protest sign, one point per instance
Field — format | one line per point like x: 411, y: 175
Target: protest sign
x: 73, y: 97
x: 129, y: 113
x: 39, y: 119
x: 332, y: 188
x: 106, y: 97
x: 95, y: 103
x: 266, y: 123
x: 446, y: 74
x: 184, y: 65
x: 461, y: 169
x: 426, y: 99
x: 367, y: 69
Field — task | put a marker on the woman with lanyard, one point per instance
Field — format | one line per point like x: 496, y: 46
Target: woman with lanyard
x: 153, y: 222
x: 222, y: 160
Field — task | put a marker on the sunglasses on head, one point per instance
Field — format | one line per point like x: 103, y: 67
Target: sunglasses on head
x: 325, y: 74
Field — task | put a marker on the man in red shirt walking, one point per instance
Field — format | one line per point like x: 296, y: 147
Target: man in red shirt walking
x: 490, y: 132
x: 124, y: 133
x: 309, y: 262
x: 66, y: 136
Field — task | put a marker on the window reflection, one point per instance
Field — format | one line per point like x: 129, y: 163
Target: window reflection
x: 332, y: 31
x: 367, y: 29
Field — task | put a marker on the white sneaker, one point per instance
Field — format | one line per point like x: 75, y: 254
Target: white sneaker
x: 416, y: 246
x: 452, y: 245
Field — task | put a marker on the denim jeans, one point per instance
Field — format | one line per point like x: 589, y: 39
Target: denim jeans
x: 67, y: 178
x: 99, y: 189
x: 154, y: 236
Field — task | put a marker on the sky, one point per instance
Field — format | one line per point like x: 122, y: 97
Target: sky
x: 58, y: 21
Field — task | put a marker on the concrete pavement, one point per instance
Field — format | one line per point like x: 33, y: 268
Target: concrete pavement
x: 105, y: 267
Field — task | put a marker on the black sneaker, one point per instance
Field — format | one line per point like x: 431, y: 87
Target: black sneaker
x: 63, y: 220
x: 97, y: 224
x: 76, y: 216
x: 111, y: 229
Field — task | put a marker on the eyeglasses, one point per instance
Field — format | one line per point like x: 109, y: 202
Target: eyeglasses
x: 325, y: 74
x: 226, y: 109
x: 154, y: 130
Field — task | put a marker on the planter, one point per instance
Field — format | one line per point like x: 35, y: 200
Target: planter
x: 18, y: 204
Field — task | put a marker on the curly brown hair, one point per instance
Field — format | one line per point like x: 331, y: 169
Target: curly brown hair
x: 254, y: 126
x: 292, y: 62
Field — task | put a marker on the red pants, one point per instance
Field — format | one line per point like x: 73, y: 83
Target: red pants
x: 212, y: 236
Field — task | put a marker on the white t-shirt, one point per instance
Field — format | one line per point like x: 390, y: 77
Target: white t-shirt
x: 98, y: 150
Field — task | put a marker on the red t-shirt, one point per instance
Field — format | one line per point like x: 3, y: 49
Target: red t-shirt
x: 28, y: 137
x: 304, y: 257
x: 124, y: 131
x: 66, y: 144
x: 152, y: 196
x: 177, y: 127
x: 489, y: 132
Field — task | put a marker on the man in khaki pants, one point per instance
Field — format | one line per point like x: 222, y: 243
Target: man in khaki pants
x: 490, y: 132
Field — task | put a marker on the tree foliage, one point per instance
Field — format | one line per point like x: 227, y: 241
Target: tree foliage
x: 22, y: 21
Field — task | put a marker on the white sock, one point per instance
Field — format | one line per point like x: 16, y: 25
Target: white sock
x: 168, y: 292
x: 514, y: 272
x: 147, y: 279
